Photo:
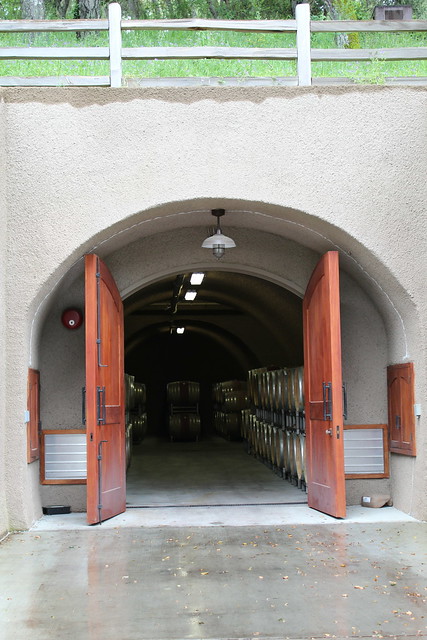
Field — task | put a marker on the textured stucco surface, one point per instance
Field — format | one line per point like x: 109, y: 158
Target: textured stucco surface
x: 322, y: 167
x: 3, y: 227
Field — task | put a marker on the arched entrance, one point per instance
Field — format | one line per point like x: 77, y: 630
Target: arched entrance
x: 285, y: 254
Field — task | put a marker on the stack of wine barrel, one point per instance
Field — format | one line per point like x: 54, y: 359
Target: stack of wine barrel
x: 183, y: 402
x: 139, y: 413
x: 135, y: 413
x: 229, y: 398
x: 274, y: 426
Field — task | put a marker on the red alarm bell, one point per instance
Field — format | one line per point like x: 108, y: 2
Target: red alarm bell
x: 72, y: 318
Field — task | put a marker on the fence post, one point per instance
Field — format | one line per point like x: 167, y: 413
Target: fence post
x: 115, y: 43
x: 302, y: 15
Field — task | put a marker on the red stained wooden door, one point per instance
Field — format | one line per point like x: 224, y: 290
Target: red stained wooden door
x: 323, y: 389
x: 401, y: 417
x: 33, y: 407
x: 105, y: 413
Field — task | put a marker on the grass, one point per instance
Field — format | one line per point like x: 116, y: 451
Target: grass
x: 374, y: 71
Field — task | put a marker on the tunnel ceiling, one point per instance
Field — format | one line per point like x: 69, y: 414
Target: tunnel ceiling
x: 241, y: 320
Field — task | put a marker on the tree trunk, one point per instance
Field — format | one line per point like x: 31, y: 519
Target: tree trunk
x: 341, y: 38
x: 61, y: 7
x: 89, y: 9
x: 32, y: 9
x: 134, y: 9
x: 212, y: 9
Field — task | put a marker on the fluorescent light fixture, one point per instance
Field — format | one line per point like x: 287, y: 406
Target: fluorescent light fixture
x: 196, y: 278
x: 180, y: 330
x: 190, y: 294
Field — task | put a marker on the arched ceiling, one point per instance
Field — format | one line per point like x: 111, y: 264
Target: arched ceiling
x: 242, y: 320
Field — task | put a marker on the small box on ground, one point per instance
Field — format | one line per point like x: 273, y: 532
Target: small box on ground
x: 377, y: 500
x: 56, y: 509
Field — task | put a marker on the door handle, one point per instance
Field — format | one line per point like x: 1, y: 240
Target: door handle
x: 328, y: 432
x: 83, y: 405
x: 327, y: 400
x: 101, y: 411
x: 344, y: 394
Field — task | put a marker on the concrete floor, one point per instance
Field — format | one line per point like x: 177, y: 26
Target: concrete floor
x: 210, y: 472
x: 210, y: 483
x: 244, y: 561
x: 167, y: 583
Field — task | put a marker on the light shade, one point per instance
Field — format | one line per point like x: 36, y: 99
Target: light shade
x: 196, y: 278
x: 218, y: 239
x: 218, y: 243
x: 190, y: 294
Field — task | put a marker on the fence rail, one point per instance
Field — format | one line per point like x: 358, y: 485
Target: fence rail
x: 302, y: 26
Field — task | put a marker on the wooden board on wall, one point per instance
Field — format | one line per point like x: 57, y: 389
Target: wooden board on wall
x: 33, y: 409
x: 401, y: 416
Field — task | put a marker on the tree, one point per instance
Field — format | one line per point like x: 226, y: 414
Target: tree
x: 89, y: 9
x: 32, y: 9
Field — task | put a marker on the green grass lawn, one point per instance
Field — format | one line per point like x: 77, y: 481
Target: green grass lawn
x: 374, y: 71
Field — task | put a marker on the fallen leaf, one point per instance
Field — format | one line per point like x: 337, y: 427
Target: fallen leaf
x: 358, y: 587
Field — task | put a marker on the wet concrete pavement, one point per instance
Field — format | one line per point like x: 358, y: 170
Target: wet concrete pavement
x: 296, y: 581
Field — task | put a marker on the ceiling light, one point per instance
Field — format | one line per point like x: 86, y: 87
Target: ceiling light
x: 180, y: 330
x: 218, y: 242
x: 196, y: 278
x: 190, y: 294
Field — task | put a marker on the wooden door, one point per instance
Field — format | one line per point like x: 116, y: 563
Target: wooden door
x: 33, y: 408
x: 105, y: 415
x: 323, y: 389
x: 401, y: 417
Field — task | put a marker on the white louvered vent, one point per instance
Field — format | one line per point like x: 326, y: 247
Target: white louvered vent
x: 65, y: 456
x: 364, y: 451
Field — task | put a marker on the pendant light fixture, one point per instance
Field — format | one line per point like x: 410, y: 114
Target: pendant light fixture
x: 218, y: 242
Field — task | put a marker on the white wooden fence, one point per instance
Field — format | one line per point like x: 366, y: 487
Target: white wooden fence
x: 115, y: 53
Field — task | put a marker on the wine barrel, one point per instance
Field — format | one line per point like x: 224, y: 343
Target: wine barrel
x: 299, y: 388
x: 128, y: 444
x: 290, y: 457
x: 183, y: 393
x: 246, y: 414
x: 277, y: 394
x: 258, y: 437
x: 303, y: 460
x: 291, y: 390
x: 293, y: 457
x: 280, y: 448
x: 139, y: 428
x: 217, y: 394
x: 298, y: 459
x: 234, y: 385
x: 130, y: 396
x: 235, y: 400
x: 184, y: 426
x: 285, y: 389
x: 232, y: 423
x: 140, y: 395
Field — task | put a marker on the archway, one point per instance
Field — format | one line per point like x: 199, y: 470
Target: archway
x: 272, y: 255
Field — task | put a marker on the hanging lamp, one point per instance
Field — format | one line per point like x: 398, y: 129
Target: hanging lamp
x: 218, y: 242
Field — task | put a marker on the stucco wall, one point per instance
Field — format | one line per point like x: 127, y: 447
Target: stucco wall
x: 321, y: 166
x: 3, y: 226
